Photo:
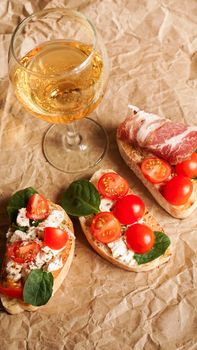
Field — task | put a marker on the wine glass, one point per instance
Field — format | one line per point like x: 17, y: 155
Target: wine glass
x: 59, y: 69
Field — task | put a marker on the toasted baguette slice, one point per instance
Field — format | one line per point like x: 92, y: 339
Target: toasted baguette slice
x: 104, y: 250
x: 133, y: 156
x: 15, y: 306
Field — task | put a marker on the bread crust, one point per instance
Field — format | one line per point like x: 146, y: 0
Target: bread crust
x: 132, y: 156
x: 15, y: 306
x: 103, y: 249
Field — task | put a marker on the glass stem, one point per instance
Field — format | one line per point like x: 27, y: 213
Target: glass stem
x: 73, y: 138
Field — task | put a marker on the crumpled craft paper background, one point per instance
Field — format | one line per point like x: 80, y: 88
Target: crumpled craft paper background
x: 152, y: 47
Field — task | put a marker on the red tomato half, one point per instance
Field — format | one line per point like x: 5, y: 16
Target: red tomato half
x: 188, y: 167
x: 55, y: 238
x: 23, y: 251
x: 112, y: 186
x: 178, y: 190
x: 129, y: 209
x: 11, y: 292
x: 155, y: 170
x: 105, y: 227
x: 140, y: 238
x: 37, y: 207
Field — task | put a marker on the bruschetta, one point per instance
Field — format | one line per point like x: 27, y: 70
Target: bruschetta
x: 39, y: 251
x: 163, y: 155
x: 116, y: 222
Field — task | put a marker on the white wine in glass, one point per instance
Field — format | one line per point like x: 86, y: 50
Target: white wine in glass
x: 59, y: 70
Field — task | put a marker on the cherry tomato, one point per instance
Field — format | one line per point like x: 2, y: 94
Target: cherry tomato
x: 23, y: 251
x: 11, y: 292
x: 129, y: 209
x: 105, y: 227
x: 112, y: 186
x: 178, y: 190
x: 188, y: 167
x: 37, y: 207
x: 140, y: 238
x: 155, y: 170
x: 55, y: 238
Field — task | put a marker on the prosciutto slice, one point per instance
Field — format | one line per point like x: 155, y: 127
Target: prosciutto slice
x: 164, y: 138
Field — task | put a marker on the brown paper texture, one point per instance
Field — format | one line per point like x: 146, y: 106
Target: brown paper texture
x: 152, y: 47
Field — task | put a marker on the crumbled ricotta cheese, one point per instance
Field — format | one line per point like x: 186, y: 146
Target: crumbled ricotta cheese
x: 18, y: 236
x: 128, y: 258
x: 122, y: 253
x: 106, y: 204
x: 118, y: 248
x: 13, y: 270
x: 54, y: 219
x: 42, y: 258
x: 48, y: 250
x: 45, y: 256
x: 22, y: 219
x: 23, y: 236
x: 55, y: 265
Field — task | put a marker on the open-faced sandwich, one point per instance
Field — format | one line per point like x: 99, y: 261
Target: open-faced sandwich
x: 39, y: 251
x: 116, y: 222
x: 163, y: 155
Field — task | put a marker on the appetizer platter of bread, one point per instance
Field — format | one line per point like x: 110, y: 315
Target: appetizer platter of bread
x: 116, y: 222
x: 39, y: 251
x: 162, y: 154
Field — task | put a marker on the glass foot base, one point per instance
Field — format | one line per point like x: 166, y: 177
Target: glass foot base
x: 72, y: 159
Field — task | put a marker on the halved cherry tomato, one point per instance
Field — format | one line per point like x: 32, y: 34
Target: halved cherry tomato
x: 11, y: 292
x: 112, y: 186
x: 188, y: 167
x: 37, y: 207
x: 178, y: 190
x: 23, y: 251
x: 129, y: 209
x: 155, y: 170
x: 105, y: 227
x: 55, y: 238
x: 140, y: 238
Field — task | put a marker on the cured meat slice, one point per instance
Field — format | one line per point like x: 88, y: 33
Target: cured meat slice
x: 172, y: 141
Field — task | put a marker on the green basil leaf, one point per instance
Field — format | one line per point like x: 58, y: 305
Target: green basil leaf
x: 81, y: 198
x: 19, y: 200
x: 21, y: 228
x: 162, y: 242
x: 195, y: 178
x: 35, y: 223
x: 38, y: 287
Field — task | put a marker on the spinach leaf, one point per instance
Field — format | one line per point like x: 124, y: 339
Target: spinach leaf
x: 19, y: 200
x: 161, y: 244
x: 38, y: 287
x: 81, y: 198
